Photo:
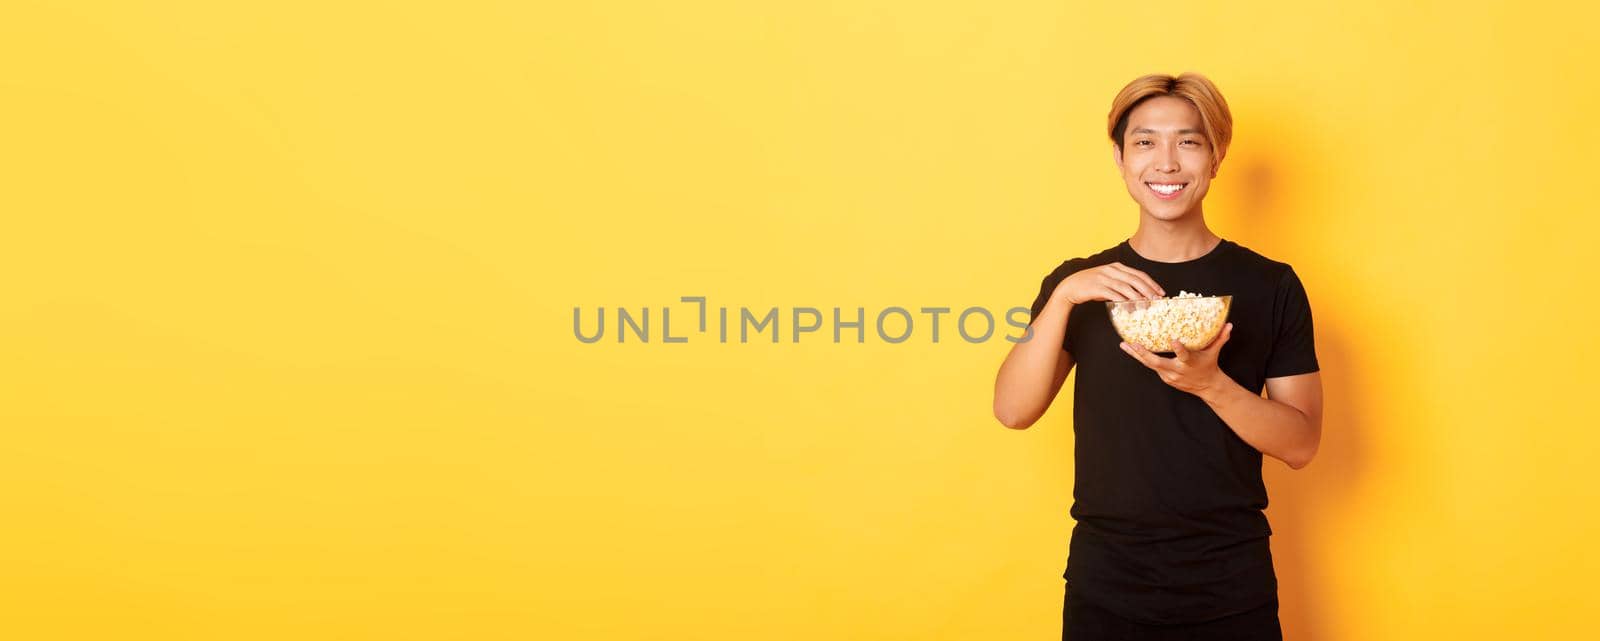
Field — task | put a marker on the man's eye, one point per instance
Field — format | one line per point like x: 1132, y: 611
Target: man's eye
x: 1142, y: 142
x: 1192, y: 142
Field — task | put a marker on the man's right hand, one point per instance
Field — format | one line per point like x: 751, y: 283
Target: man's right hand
x: 1113, y: 281
x: 1034, y: 370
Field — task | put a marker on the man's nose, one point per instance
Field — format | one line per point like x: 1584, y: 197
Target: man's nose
x: 1167, y: 162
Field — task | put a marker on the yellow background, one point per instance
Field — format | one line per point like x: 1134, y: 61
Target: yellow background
x: 287, y: 312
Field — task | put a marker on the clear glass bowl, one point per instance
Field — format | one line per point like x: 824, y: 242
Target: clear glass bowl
x: 1194, y: 320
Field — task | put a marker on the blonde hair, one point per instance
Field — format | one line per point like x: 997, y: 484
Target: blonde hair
x: 1215, y: 118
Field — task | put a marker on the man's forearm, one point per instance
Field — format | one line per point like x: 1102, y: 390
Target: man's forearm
x: 1024, y: 387
x: 1274, y: 428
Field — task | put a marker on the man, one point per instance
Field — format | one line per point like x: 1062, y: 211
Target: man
x: 1171, y: 539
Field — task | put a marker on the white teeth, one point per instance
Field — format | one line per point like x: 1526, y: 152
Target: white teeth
x: 1166, y: 190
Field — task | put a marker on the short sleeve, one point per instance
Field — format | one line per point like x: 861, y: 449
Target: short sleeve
x: 1294, y: 343
x: 1048, y: 287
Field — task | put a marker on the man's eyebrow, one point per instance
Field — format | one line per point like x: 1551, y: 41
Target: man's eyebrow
x: 1147, y: 130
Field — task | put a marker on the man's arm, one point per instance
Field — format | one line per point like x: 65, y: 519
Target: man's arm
x: 1286, y: 426
x: 1033, y: 371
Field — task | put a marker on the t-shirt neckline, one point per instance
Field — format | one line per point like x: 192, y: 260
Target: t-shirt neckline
x: 1132, y: 256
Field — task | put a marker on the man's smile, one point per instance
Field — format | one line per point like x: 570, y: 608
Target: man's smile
x: 1166, y: 191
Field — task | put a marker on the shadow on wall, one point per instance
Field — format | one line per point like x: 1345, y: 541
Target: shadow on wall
x: 1305, y: 505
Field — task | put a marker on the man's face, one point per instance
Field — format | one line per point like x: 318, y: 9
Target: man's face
x: 1163, y: 147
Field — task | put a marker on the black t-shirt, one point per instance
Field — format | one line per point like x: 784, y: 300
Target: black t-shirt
x: 1168, y: 499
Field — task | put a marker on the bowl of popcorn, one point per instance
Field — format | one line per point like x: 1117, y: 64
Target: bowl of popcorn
x: 1151, y: 322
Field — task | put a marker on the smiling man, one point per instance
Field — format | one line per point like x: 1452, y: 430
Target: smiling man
x: 1171, y: 537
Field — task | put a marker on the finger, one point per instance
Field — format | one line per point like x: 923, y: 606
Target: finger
x: 1142, y: 277
x: 1123, y: 275
x: 1143, y: 355
x: 1181, y: 351
x: 1127, y: 291
x: 1155, y: 287
x: 1133, y: 351
x: 1222, y: 337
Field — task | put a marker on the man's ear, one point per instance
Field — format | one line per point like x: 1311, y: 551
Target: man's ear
x: 1116, y: 156
x: 1217, y: 166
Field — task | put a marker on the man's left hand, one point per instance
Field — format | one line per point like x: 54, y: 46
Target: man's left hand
x: 1191, y: 370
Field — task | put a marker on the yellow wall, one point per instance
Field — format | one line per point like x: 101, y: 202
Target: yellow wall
x: 287, y: 314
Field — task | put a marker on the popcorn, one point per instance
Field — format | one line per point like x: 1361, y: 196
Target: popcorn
x: 1191, y: 318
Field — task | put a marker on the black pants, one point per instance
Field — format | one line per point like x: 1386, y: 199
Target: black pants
x: 1085, y: 621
